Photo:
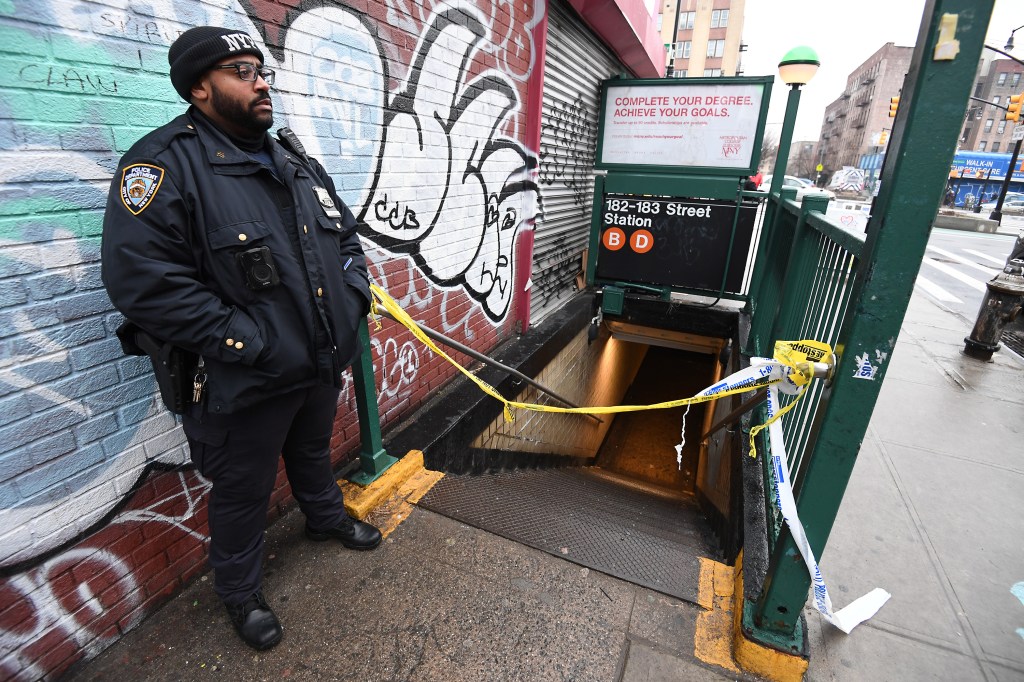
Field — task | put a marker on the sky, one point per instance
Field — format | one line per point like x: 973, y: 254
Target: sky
x: 844, y: 34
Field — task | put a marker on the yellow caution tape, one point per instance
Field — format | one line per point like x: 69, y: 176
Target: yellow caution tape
x: 796, y: 355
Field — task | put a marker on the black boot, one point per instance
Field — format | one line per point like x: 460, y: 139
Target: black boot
x: 255, y: 623
x: 350, y: 532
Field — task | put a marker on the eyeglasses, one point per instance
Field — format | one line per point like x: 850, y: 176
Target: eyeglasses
x: 248, y: 72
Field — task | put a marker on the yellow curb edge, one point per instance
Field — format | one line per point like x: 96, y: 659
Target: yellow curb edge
x: 712, y: 637
x: 718, y: 638
x: 757, y: 658
x: 361, y: 500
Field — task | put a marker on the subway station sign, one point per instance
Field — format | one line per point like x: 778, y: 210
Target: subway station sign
x: 674, y: 242
x: 706, y: 124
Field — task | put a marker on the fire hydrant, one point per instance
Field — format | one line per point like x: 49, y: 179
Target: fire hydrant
x: 1001, y: 305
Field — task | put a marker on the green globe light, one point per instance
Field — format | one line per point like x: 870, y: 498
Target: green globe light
x: 798, y: 66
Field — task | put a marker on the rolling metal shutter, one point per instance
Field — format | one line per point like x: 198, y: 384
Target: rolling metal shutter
x: 576, y: 63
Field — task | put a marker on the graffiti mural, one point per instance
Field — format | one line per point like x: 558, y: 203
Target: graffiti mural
x: 472, y: 197
x: 509, y: 26
x: 78, y: 615
x: 80, y: 601
x: 450, y: 132
x: 87, y: 462
x: 448, y: 129
x: 416, y: 109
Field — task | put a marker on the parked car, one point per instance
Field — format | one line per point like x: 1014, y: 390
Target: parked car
x: 1011, y: 197
x: 803, y: 187
x: 1010, y: 206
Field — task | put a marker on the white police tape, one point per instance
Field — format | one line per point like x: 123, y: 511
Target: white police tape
x: 860, y: 609
x: 745, y: 378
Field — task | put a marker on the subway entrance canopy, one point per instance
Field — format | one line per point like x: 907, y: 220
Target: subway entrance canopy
x: 669, y: 209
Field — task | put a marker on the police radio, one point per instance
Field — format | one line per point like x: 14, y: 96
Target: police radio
x: 290, y: 140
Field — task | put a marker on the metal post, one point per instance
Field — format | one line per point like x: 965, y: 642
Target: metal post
x: 997, y: 213
x: 821, y: 162
x: 773, y: 208
x: 913, y: 178
x: 597, y: 203
x: 675, y: 38
x: 373, y: 459
x: 785, y: 138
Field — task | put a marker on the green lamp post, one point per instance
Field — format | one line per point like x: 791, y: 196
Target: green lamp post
x: 797, y: 68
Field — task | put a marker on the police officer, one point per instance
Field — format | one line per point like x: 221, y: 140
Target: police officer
x: 222, y: 241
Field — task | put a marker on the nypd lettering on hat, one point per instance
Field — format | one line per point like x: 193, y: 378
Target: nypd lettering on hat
x: 200, y: 48
x: 239, y: 41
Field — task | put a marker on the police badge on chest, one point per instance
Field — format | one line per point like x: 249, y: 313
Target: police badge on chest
x: 326, y: 203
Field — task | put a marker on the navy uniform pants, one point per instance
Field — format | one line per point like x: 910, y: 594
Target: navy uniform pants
x: 239, y: 454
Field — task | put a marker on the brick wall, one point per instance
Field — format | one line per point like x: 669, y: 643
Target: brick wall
x: 101, y: 516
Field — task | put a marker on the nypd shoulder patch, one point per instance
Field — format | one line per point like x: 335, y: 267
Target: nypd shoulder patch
x: 139, y: 184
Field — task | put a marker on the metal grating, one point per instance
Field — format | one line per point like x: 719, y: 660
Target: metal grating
x: 587, y: 518
x: 1014, y: 340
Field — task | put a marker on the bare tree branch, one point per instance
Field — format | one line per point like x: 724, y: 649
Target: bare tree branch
x: 769, y: 149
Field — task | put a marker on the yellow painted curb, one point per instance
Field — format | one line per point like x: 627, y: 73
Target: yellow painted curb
x: 361, y: 500
x: 719, y: 640
x: 757, y: 658
x: 400, y: 504
x: 713, y: 637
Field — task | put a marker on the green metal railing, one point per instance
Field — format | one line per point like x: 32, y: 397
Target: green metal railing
x: 816, y: 279
x: 810, y: 298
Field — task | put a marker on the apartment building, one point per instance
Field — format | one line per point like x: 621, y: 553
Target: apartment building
x: 985, y: 126
x: 703, y: 37
x: 857, y: 122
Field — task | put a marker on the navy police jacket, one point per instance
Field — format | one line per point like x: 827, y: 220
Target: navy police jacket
x: 184, y: 203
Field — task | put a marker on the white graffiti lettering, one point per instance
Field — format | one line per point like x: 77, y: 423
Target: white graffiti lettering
x: 76, y: 615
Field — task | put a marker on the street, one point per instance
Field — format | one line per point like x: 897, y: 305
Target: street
x: 957, y: 265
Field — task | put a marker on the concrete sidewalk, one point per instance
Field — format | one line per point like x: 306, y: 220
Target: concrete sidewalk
x: 933, y: 514
x: 439, y: 600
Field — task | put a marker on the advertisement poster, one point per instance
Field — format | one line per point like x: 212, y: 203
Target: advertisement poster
x: 700, y: 125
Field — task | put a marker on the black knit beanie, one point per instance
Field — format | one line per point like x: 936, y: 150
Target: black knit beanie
x: 199, y: 48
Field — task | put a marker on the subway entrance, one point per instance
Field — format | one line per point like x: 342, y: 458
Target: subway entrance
x: 612, y: 494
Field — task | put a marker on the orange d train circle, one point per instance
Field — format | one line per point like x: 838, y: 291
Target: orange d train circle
x: 641, y: 241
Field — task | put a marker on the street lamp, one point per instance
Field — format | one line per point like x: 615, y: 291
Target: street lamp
x: 797, y: 68
x: 1009, y: 41
x: 799, y: 65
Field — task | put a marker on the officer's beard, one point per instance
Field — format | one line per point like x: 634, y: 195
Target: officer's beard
x: 242, y: 116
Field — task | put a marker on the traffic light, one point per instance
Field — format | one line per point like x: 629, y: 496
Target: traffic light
x: 1013, y: 110
x: 894, y: 103
x: 883, y: 138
